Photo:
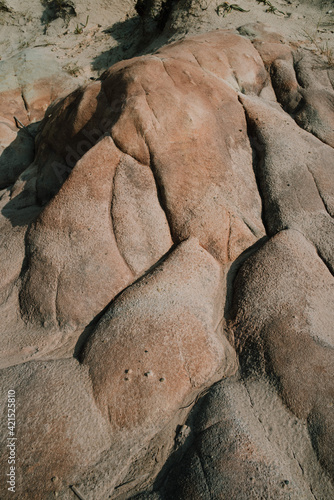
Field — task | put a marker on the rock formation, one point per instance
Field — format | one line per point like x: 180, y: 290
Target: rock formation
x: 167, y: 259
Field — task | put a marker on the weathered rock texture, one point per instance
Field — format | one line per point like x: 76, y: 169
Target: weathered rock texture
x: 169, y: 233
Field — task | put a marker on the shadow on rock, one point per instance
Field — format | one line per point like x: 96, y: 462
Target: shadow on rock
x: 17, y: 156
x: 18, y: 179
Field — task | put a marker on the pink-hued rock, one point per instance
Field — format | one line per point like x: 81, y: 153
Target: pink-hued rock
x: 295, y: 173
x: 190, y: 180
x: 240, y: 452
x: 140, y: 224
x: 74, y: 267
x: 55, y: 406
x: 162, y: 229
x: 173, y: 349
x: 207, y: 145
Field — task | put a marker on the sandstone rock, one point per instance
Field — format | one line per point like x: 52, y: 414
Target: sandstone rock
x: 317, y: 114
x: 60, y: 432
x: 140, y: 224
x: 125, y: 364
x: 284, y: 326
x: 30, y: 81
x: 271, y: 45
x: 307, y: 94
x: 131, y: 105
x: 297, y: 187
x: 74, y: 267
x: 164, y: 217
x: 301, y: 80
x: 189, y: 180
x: 175, y: 307
x: 157, y: 343
x: 241, y: 451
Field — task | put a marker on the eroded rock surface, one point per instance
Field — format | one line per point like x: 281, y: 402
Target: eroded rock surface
x: 167, y: 263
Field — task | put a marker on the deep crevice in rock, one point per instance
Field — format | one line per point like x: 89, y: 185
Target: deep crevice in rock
x: 113, y: 225
x: 257, y: 160
x: 25, y: 102
x: 318, y: 189
x: 162, y: 198
x: 324, y: 260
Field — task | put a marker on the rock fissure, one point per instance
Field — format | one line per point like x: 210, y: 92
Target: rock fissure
x: 168, y: 73
x: 319, y: 191
x: 25, y: 103
x: 257, y: 159
x: 324, y: 259
x: 162, y: 198
x: 113, y: 225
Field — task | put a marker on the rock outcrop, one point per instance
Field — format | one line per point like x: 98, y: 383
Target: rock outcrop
x: 167, y: 260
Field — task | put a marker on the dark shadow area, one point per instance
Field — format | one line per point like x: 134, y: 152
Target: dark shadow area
x: 4, y: 7
x: 20, y: 211
x: 58, y: 150
x: 130, y: 37
x: 17, y: 156
x: 155, y: 14
x: 15, y: 159
x: 134, y: 35
x: 55, y: 9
